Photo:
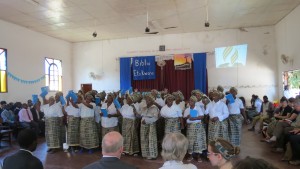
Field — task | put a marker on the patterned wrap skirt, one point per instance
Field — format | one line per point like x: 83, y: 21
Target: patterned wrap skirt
x: 172, y: 125
x: 218, y: 129
x: 197, y: 138
x: 149, y: 140
x: 53, y: 132
x: 235, y: 123
x: 88, y: 133
x: 106, y: 130
x: 130, y: 135
x: 73, y: 131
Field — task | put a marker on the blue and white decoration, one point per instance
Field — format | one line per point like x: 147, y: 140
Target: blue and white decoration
x: 143, y: 68
x: 25, y: 81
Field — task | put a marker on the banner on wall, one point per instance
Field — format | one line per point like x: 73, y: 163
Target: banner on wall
x: 183, y: 61
x: 143, y: 68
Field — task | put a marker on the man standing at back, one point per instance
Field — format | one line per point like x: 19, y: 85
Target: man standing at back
x: 112, y: 148
x: 27, y: 140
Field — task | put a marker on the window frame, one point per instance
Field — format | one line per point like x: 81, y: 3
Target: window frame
x: 6, y: 74
x: 48, y: 73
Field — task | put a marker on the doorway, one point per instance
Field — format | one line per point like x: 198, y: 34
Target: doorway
x: 86, y: 87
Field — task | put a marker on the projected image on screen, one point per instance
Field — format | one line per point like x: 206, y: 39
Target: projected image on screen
x: 231, y: 56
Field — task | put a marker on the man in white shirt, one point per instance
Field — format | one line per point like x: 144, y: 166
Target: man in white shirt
x: 26, y: 119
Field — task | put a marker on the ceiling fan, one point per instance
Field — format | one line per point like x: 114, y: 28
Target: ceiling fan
x: 170, y: 27
x: 147, y: 29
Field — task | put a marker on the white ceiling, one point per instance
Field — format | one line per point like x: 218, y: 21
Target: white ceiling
x: 76, y: 20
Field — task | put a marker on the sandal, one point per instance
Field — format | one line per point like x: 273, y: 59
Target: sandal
x: 189, y: 159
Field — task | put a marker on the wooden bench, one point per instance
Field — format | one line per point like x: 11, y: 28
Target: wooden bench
x: 6, y: 135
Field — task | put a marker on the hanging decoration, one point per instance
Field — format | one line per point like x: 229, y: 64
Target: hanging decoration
x: 25, y: 81
x: 183, y: 61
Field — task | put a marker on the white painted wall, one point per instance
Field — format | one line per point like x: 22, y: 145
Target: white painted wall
x: 26, y: 52
x: 288, y: 43
x: 258, y: 76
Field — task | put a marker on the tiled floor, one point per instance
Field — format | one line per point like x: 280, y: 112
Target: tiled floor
x: 251, y: 146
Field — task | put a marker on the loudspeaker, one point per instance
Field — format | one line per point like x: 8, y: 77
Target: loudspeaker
x: 162, y: 48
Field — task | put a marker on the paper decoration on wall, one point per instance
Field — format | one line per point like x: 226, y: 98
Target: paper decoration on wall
x: 183, y: 61
x: 25, y: 81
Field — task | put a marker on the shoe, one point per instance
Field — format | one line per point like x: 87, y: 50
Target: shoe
x: 189, y: 159
x: 150, y: 158
x: 135, y: 155
x: 295, y: 162
x: 277, y: 150
x: 199, y: 160
x: 273, y: 139
x: 248, y: 122
x: 264, y: 140
x: 91, y: 151
x: 285, y: 159
x: 251, y: 129
x: 53, y: 151
x: 49, y: 150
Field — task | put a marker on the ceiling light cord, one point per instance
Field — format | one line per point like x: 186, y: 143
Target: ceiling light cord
x: 207, y: 10
x: 147, y: 19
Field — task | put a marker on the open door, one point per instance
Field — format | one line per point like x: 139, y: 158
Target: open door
x: 86, y: 87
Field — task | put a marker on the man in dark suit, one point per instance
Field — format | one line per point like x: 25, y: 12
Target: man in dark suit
x: 38, y: 116
x: 112, y: 148
x: 27, y: 140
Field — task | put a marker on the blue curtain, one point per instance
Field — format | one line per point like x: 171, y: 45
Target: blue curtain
x: 125, y: 73
x: 200, y: 72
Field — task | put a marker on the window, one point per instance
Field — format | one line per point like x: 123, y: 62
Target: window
x: 291, y: 83
x: 53, y: 74
x: 3, y: 71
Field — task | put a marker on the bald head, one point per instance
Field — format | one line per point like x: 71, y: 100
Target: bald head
x: 112, y: 144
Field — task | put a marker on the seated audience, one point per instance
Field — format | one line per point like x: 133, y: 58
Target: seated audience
x: 27, y: 140
x: 38, y: 117
x: 282, y: 113
x: 7, y: 116
x: 266, y: 108
x: 294, y: 140
x: 253, y: 163
x: 26, y: 119
x: 286, y: 125
x: 2, y: 105
x: 17, y: 108
x: 112, y: 148
x: 174, y: 147
x: 255, y: 106
x: 220, y: 152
